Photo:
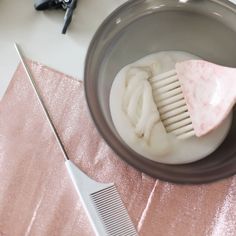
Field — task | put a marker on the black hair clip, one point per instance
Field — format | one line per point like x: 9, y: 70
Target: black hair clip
x: 67, y: 5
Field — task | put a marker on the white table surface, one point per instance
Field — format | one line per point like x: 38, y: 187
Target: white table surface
x: 39, y: 35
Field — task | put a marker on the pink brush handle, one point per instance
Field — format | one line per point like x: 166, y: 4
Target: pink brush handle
x: 210, y: 92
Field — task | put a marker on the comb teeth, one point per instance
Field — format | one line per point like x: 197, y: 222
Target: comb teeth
x: 113, y: 213
x: 171, y: 104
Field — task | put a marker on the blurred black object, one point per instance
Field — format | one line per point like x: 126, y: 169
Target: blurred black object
x: 67, y: 5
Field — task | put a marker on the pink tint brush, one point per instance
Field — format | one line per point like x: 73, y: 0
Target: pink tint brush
x: 195, y: 97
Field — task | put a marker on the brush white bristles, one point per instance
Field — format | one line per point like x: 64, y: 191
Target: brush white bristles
x: 171, y: 104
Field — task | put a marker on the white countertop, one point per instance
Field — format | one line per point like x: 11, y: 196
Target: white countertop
x: 39, y: 35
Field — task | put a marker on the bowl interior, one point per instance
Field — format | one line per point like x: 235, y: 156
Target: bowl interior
x: 204, y: 28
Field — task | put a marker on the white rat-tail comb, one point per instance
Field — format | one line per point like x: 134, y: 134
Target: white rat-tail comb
x: 102, y: 203
x: 194, y: 98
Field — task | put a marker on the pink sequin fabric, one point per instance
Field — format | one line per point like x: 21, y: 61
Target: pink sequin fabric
x: 37, y: 197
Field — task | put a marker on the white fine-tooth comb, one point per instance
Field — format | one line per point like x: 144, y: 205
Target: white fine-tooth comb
x: 194, y: 98
x: 102, y: 203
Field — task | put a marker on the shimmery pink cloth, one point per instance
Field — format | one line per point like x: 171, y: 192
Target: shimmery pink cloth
x: 36, y: 194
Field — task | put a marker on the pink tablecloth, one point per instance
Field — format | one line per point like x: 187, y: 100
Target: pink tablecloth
x: 37, y: 197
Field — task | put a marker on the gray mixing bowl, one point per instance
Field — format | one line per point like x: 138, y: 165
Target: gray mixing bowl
x: 206, y: 28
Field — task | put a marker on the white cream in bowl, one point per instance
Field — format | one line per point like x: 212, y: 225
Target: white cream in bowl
x: 137, y: 119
